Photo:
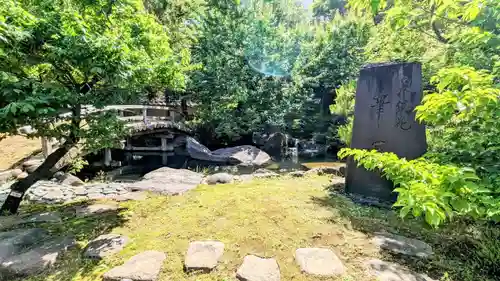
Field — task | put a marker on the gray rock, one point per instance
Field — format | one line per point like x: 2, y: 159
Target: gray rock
x: 317, y: 261
x: 7, y: 222
x: 95, y: 209
x: 5, y: 176
x: 258, y: 269
x: 219, y: 178
x: 246, y: 154
x: 402, y: 245
x: 22, y: 175
x: 16, y: 172
x: 385, y: 271
x: 129, y: 196
x: 297, y: 174
x: 37, y: 259
x: 33, y: 162
x: 198, y: 151
x: 264, y: 173
x: 336, y: 171
x: 105, y: 245
x: 168, y: 181
x: 203, y: 255
x: 50, y: 217
x: 80, y: 191
x: 55, y: 195
x: 25, y: 130
x: 59, y: 175
x: 69, y: 179
x: 14, y: 242
x: 145, y: 266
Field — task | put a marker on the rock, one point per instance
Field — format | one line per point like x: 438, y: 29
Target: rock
x: 264, y: 173
x: 105, y: 245
x: 402, y: 245
x: 276, y: 145
x: 15, y: 242
x: 31, y: 165
x: 69, y: 179
x: 7, y: 222
x: 297, y: 174
x: 145, y: 266
x: 338, y: 171
x: 16, y: 172
x: 198, y: 151
x: 258, y: 269
x: 95, y: 209
x: 203, y: 255
x: 219, y: 178
x: 50, y: 217
x: 25, y: 130
x: 80, y: 191
x: 168, y: 181
x: 5, y: 176
x: 37, y: 259
x: 22, y: 175
x: 246, y: 154
x: 385, y: 271
x: 317, y: 261
x: 129, y: 196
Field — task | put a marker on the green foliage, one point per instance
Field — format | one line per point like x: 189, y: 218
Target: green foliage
x: 58, y: 56
x: 344, y: 100
x: 437, y: 192
x: 77, y: 165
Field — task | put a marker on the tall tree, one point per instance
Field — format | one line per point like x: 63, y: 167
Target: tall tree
x: 59, y: 56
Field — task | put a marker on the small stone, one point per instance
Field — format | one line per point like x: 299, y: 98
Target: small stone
x: 297, y: 174
x: 50, y: 217
x: 145, y: 266
x: 203, y: 255
x: 317, y: 261
x: 95, y: 209
x: 15, y: 242
x: 258, y: 269
x: 34, y: 162
x: 36, y: 259
x: 80, y: 191
x: 219, y: 178
x: 16, y: 172
x: 402, y: 245
x: 31, y: 169
x: 22, y: 175
x: 336, y: 171
x: 105, y: 245
x: 69, y: 179
x: 385, y: 271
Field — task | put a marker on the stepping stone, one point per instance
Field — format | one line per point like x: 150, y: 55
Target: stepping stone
x: 105, y: 245
x: 37, y: 259
x: 297, y: 174
x: 145, y: 266
x: 15, y: 242
x: 317, y: 261
x: 95, y: 209
x: 219, y: 178
x: 402, y: 245
x: 50, y: 217
x: 203, y: 255
x: 385, y: 271
x: 258, y: 269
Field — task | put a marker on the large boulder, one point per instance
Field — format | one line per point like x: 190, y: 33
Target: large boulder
x: 276, y: 145
x: 168, y: 181
x: 69, y: 179
x: 198, y: 151
x: 247, y: 154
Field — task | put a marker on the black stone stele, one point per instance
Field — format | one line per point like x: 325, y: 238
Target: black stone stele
x: 384, y: 119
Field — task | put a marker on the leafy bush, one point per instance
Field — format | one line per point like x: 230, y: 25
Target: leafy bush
x: 344, y: 106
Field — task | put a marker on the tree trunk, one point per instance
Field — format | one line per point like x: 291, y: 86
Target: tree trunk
x: 18, y: 189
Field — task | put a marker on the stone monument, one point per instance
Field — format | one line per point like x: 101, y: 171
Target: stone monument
x: 384, y: 119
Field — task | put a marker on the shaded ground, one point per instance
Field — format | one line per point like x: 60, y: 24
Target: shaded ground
x: 268, y: 218
x: 15, y: 148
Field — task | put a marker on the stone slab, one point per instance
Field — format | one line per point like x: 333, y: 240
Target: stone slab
x: 256, y: 268
x: 402, y: 245
x: 37, y: 259
x: 385, y: 271
x: 145, y: 266
x: 384, y: 119
x: 105, y: 245
x: 15, y: 242
x: 203, y: 255
x: 95, y: 209
x: 318, y: 261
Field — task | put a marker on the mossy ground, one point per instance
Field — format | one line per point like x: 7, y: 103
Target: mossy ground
x: 268, y: 218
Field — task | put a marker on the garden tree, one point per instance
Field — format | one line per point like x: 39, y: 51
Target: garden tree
x: 246, y: 51
x: 57, y: 57
x: 333, y: 57
x: 325, y: 9
x: 459, y: 174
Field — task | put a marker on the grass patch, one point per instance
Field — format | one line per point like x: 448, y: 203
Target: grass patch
x: 268, y: 218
